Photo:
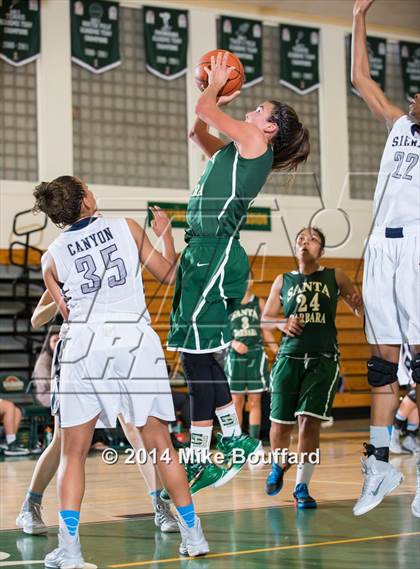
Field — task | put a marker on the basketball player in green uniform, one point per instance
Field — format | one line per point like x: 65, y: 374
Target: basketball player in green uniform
x: 213, y: 269
x: 246, y: 365
x: 305, y: 374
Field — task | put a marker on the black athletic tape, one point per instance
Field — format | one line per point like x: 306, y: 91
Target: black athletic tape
x: 412, y: 395
x: 415, y: 367
x: 380, y: 453
x: 381, y: 372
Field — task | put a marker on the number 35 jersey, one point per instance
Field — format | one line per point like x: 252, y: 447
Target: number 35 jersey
x: 313, y: 299
x: 397, y: 194
x: 98, y: 266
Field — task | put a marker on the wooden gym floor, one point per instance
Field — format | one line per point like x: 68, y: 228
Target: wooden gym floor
x: 245, y: 528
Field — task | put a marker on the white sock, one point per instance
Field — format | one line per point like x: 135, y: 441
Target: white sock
x: 10, y: 439
x: 304, y: 473
x: 201, y: 438
x: 228, y: 420
x: 379, y: 436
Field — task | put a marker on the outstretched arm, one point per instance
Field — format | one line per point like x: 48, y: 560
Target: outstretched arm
x: 250, y: 139
x: 49, y: 273
x: 161, y: 265
x: 44, y: 311
x: 369, y: 90
x: 200, y: 134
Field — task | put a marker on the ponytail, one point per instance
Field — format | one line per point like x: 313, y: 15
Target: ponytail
x: 291, y: 145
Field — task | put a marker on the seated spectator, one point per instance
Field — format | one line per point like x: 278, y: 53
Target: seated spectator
x: 10, y: 418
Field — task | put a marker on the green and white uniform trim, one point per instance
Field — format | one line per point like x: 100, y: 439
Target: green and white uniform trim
x: 248, y: 372
x: 213, y: 270
x: 305, y: 374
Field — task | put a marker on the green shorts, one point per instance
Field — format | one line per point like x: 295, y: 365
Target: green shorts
x: 211, y: 280
x: 247, y: 373
x: 303, y: 386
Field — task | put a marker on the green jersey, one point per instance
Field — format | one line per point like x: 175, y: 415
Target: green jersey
x: 312, y: 298
x: 245, y: 324
x: 219, y: 203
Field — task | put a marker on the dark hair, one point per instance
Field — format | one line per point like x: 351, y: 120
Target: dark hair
x: 291, y: 143
x: 52, y: 331
x: 60, y: 199
x: 318, y: 231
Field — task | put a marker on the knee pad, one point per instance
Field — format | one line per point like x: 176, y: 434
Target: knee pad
x: 381, y: 372
x: 415, y: 367
x: 412, y: 395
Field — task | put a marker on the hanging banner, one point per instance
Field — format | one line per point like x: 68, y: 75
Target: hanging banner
x: 299, y: 58
x: 166, y: 41
x: 20, y: 31
x: 377, y: 61
x: 95, y: 39
x: 244, y: 39
x: 410, y: 67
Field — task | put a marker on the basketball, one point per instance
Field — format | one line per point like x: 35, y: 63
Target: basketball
x: 236, y: 78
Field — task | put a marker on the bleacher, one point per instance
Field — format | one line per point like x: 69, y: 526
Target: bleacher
x: 353, y: 346
x: 21, y: 286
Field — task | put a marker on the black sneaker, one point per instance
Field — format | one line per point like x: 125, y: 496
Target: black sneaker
x: 15, y: 450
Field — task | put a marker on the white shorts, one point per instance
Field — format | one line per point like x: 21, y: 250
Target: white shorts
x: 112, y: 368
x: 391, y: 286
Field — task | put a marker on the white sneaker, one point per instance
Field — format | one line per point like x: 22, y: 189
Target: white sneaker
x: 409, y: 443
x: 193, y: 542
x: 256, y: 459
x: 395, y: 443
x: 164, y: 519
x: 380, y: 479
x: 30, y: 519
x: 415, y: 505
x: 67, y: 555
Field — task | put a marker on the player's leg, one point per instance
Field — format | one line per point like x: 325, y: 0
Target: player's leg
x: 415, y: 367
x: 164, y: 519
x: 11, y: 416
x: 316, y: 397
x: 285, y: 380
x: 239, y: 402
x: 254, y: 402
x: 156, y: 437
x: 309, y: 430
x: 29, y: 518
x: 75, y: 447
x: 409, y: 442
x: 380, y: 476
x: 400, y: 421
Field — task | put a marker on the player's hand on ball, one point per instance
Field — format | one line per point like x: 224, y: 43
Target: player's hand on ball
x: 219, y: 72
x: 292, y: 326
x: 239, y: 347
x: 362, y: 6
x: 225, y: 99
x: 161, y: 224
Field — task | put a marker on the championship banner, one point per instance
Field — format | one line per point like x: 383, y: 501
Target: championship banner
x: 377, y: 61
x: 20, y: 31
x: 166, y: 41
x: 244, y: 39
x: 95, y: 36
x: 299, y: 58
x: 258, y: 218
x: 410, y: 67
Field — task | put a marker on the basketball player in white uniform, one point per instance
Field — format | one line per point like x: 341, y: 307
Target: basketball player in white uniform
x: 112, y: 361
x: 391, y: 282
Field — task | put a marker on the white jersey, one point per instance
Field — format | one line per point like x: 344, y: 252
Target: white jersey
x: 98, y: 266
x: 397, y: 194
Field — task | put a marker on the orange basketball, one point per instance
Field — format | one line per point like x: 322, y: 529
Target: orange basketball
x: 236, y: 77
